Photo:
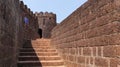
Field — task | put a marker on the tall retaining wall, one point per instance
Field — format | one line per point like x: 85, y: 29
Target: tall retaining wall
x: 90, y: 36
x: 31, y: 27
x: 10, y: 32
x: 13, y: 29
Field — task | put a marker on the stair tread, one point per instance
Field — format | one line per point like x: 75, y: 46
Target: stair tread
x: 39, y: 63
x: 31, y: 58
x: 54, y: 66
x: 50, y: 61
x: 41, y: 45
x: 39, y: 56
x: 35, y: 49
x: 38, y: 52
x: 48, y: 66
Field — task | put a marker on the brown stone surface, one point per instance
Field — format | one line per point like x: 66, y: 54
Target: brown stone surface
x: 10, y: 28
x: 109, y: 51
x: 87, y: 51
x: 35, y: 54
x: 101, y: 62
x: 89, y: 37
x: 95, y: 29
x: 29, y: 29
x: 114, y: 62
x: 81, y: 59
x: 46, y: 21
x: 11, y: 32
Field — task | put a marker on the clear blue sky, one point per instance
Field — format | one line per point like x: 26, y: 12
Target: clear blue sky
x: 62, y: 8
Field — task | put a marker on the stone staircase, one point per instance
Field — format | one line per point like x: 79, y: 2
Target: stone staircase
x: 39, y: 54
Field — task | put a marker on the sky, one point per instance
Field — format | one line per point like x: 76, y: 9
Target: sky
x: 62, y: 8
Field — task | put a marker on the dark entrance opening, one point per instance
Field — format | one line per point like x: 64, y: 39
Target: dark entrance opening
x: 40, y: 32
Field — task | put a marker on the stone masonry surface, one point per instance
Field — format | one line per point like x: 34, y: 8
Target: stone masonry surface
x: 46, y: 21
x: 12, y: 31
x: 90, y: 36
x: 9, y: 31
x: 30, y: 28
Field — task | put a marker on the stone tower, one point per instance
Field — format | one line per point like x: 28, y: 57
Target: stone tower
x: 46, y: 21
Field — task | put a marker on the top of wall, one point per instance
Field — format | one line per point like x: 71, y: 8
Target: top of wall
x: 79, y: 10
x: 26, y: 9
x: 45, y: 14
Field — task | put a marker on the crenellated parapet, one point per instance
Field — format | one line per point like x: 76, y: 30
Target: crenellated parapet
x: 45, y: 14
x: 29, y: 21
x: 25, y: 9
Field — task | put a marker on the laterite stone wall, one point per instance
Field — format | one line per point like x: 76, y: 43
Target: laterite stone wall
x: 90, y: 36
x: 13, y: 31
x: 10, y: 32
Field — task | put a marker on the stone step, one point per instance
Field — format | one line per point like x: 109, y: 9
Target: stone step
x: 54, y: 66
x: 42, y: 39
x: 43, y: 47
x: 38, y: 54
x: 38, y: 44
x: 36, y: 50
x: 45, y: 42
x: 33, y: 58
x: 41, y: 42
x: 43, y: 66
x: 40, y: 63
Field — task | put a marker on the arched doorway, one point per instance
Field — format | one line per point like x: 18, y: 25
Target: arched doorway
x: 40, y: 32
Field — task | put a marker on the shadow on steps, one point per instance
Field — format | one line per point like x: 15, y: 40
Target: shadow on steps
x: 28, y: 57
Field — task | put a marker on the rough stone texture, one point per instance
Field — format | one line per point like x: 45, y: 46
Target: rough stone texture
x: 10, y: 25
x: 46, y: 21
x: 90, y: 36
x: 11, y: 32
x: 30, y: 28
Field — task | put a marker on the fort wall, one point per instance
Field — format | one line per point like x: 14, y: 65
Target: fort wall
x: 90, y: 36
x: 12, y: 31
x: 31, y: 27
x: 46, y: 21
